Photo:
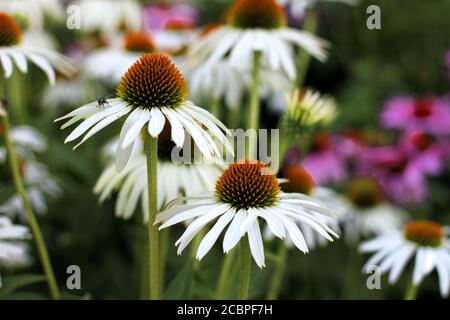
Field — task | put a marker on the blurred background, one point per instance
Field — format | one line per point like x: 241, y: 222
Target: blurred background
x: 407, y: 56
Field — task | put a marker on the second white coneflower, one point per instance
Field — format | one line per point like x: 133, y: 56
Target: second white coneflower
x: 246, y: 192
x: 152, y: 91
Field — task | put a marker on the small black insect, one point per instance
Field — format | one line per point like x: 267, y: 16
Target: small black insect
x: 102, y: 102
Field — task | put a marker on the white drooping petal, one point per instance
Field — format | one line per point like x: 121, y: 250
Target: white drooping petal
x: 213, y: 234
x: 256, y: 244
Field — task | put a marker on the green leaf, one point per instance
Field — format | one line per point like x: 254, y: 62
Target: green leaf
x: 14, y: 282
x: 181, y: 285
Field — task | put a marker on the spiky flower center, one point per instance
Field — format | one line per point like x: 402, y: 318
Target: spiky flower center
x: 248, y: 184
x: 153, y: 81
x: 10, y: 33
x: 424, y: 233
x: 365, y: 193
x: 253, y: 14
x: 139, y: 42
x: 423, y: 108
x: 300, y: 180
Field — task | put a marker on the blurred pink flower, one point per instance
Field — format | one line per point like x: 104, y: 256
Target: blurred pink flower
x: 425, y: 151
x: 430, y: 114
x: 324, y: 163
x: 162, y: 17
x: 403, y: 180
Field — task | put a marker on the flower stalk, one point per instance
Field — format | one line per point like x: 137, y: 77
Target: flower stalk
x: 280, y: 265
x: 303, y: 57
x: 151, y: 151
x: 34, y: 225
x: 245, y: 269
x: 253, y: 119
x: 411, y: 291
x: 226, y: 275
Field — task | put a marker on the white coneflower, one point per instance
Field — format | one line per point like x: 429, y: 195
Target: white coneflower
x: 178, y: 180
x: 152, y: 91
x: 110, y: 16
x: 368, y: 212
x: 299, y: 7
x: 245, y: 193
x: 34, y: 11
x: 309, y: 109
x: 13, y: 251
x: 423, y: 240
x: 257, y: 26
x: 110, y: 63
x: 14, y: 51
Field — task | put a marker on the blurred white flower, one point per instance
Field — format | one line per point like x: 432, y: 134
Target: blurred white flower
x: 65, y: 93
x: 14, y: 51
x: 109, y: 64
x: 110, y: 16
x: 221, y: 80
x: 34, y: 11
x: 175, y: 180
x: 422, y: 240
x: 244, y: 193
x: 298, y: 7
x: 257, y: 26
x: 13, y: 251
x: 26, y: 140
x: 39, y: 184
x: 368, y: 213
x: 309, y: 109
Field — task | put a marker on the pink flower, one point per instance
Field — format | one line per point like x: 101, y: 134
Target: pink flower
x: 324, y: 163
x: 164, y: 17
x: 403, y: 180
x: 431, y: 115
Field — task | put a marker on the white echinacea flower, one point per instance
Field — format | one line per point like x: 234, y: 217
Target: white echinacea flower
x: 245, y: 193
x: 150, y: 93
x: 13, y: 251
x: 424, y: 241
x: 14, y: 51
x: 257, y: 26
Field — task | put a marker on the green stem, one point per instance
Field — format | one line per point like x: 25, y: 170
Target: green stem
x: 234, y: 117
x: 280, y: 266
x: 253, y: 119
x: 34, y: 225
x: 163, y: 245
x: 303, y: 57
x: 225, y: 275
x: 16, y: 98
x: 151, y: 151
x: 245, y: 268
x: 352, y: 273
x: 215, y: 107
x: 411, y: 291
